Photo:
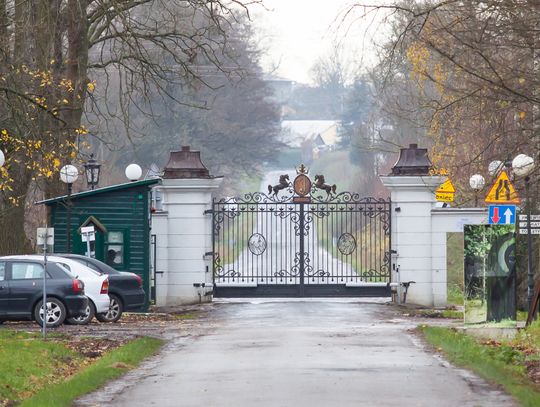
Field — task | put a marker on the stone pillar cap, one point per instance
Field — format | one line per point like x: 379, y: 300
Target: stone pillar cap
x: 185, y: 164
x: 412, y: 161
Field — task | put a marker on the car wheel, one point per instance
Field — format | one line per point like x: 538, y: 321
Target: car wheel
x: 55, y: 313
x: 115, y: 310
x: 86, y: 318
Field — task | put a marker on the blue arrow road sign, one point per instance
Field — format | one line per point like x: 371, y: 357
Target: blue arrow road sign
x: 502, y: 214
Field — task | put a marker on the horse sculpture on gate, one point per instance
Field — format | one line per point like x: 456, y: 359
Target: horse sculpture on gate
x: 320, y: 184
x: 283, y: 183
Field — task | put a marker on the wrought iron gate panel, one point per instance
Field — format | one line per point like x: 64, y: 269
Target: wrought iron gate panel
x: 270, y: 245
x: 349, y: 241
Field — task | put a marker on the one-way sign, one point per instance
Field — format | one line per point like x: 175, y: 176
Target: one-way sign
x: 502, y: 214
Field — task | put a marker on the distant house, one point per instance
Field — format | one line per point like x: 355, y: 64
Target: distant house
x: 319, y: 134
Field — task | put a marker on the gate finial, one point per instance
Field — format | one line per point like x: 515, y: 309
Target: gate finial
x: 302, y: 169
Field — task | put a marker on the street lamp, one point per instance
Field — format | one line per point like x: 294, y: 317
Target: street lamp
x: 68, y: 175
x: 495, y: 167
x: 92, y: 169
x: 476, y: 182
x: 522, y: 166
x: 133, y: 172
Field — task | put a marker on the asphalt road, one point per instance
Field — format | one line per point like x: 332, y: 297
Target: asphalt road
x: 299, y: 353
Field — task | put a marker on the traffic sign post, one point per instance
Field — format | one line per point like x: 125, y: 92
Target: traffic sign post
x: 502, y: 214
x: 45, y: 237
x: 88, y: 235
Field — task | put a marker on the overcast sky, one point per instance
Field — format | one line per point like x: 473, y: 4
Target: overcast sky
x: 297, y: 32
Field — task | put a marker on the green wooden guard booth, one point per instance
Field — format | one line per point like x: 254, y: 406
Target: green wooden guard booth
x: 121, y: 218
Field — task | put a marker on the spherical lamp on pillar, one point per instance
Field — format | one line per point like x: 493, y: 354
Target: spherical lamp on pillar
x: 522, y: 166
x: 2, y: 158
x: 68, y: 175
x: 476, y: 182
x: 133, y: 172
x: 92, y: 170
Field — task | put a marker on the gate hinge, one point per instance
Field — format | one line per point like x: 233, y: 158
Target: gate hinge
x: 208, y: 212
x: 209, y: 254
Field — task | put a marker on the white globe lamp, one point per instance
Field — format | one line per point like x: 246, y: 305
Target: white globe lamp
x: 477, y: 182
x: 69, y: 174
x: 522, y: 165
x: 2, y: 158
x: 494, y: 167
x: 133, y: 172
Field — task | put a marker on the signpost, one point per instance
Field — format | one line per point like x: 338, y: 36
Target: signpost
x: 502, y: 215
x: 88, y: 234
x: 45, y: 237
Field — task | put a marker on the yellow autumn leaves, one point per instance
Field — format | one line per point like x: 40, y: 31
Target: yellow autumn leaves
x: 40, y: 157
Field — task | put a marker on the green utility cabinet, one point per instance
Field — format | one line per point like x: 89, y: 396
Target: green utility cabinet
x: 121, y: 218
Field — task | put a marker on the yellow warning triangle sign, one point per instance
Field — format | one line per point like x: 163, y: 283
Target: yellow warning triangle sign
x: 502, y: 191
x: 446, y: 186
x: 446, y: 192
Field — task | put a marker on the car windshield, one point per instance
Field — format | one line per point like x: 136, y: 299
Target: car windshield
x: 65, y: 269
x: 105, y: 267
x: 78, y: 269
x: 95, y: 264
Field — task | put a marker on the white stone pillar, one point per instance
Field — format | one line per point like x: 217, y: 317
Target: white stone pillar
x: 413, y: 198
x: 184, y: 241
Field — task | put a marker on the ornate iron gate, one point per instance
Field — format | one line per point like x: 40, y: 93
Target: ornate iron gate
x: 301, y: 239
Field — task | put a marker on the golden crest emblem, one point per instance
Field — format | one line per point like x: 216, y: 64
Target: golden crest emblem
x: 302, y: 183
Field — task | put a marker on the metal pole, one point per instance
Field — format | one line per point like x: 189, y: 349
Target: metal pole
x: 530, y: 265
x: 68, y: 221
x: 302, y: 259
x: 44, y: 327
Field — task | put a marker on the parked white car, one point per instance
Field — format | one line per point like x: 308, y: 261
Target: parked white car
x: 96, y: 286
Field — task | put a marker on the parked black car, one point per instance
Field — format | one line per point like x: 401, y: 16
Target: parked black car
x: 125, y: 288
x: 21, y: 292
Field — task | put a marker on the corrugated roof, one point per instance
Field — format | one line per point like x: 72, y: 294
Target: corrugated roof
x: 103, y: 190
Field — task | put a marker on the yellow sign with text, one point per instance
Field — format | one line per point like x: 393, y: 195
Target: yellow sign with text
x: 446, y: 192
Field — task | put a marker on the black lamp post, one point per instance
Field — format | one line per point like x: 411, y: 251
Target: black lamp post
x: 92, y: 170
x: 68, y: 175
x: 522, y: 166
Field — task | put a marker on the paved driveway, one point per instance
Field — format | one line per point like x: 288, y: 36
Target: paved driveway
x: 299, y: 353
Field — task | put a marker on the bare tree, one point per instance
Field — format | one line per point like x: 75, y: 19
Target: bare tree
x: 50, y: 54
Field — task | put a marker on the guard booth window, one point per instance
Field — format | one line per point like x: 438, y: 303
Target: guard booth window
x: 115, y: 249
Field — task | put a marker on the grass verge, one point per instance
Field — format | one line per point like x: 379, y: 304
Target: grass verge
x: 504, y: 363
x: 48, y: 373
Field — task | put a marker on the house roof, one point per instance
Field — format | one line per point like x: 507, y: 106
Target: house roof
x: 103, y: 190
x: 294, y: 132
